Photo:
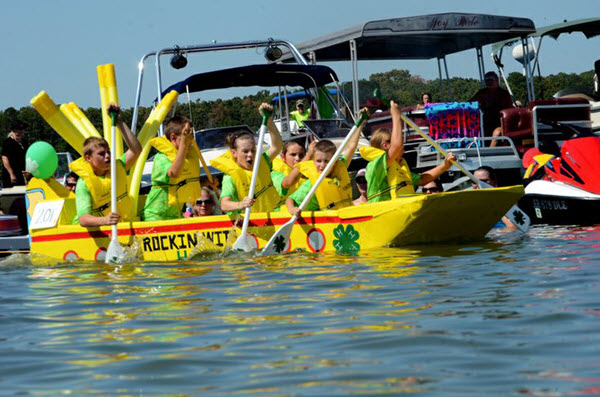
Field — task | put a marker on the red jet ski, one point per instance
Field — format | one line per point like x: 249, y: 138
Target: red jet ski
x: 562, y: 187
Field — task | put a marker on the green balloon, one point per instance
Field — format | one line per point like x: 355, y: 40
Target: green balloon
x: 41, y: 160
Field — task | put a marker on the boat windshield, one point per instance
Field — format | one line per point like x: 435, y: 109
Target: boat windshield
x: 324, y: 129
x: 214, y: 138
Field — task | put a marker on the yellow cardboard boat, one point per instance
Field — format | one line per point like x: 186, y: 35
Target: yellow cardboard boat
x: 411, y: 219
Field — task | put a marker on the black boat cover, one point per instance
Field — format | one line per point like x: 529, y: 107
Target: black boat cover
x: 419, y: 37
x: 268, y: 75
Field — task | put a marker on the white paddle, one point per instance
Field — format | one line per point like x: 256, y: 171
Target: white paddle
x: 515, y: 214
x: 279, y: 240
x: 244, y: 241
x: 114, y: 253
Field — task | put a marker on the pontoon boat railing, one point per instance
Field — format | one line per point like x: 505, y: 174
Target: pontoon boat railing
x: 197, y: 49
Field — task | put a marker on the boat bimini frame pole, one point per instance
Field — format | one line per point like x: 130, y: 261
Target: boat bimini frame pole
x: 198, y: 49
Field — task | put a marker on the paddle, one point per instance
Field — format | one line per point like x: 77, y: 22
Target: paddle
x: 279, y: 240
x: 114, y: 253
x: 244, y: 242
x: 515, y: 214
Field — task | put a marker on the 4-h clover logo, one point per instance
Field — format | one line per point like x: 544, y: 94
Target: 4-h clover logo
x: 279, y: 244
x: 345, y: 241
x: 519, y: 217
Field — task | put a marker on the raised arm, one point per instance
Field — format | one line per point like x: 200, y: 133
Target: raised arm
x: 397, y: 140
x: 432, y: 174
x: 134, y: 147
x: 185, y: 141
x: 276, y: 141
x: 353, y: 144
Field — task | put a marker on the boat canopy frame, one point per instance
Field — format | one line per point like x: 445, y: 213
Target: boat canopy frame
x: 437, y: 36
x: 590, y: 27
x: 202, y: 48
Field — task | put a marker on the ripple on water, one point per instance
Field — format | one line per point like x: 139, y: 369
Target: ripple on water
x: 512, y: 314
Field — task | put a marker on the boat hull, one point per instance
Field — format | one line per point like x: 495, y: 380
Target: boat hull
x: 556, y: 203
x: 408, y: 220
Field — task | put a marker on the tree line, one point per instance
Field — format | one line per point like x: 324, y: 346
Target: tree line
x: 399, y: 85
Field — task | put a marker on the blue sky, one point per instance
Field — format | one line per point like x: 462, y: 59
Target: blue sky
x: 56, y: 45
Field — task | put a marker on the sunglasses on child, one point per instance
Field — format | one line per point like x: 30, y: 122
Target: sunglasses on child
x: 205, y: 202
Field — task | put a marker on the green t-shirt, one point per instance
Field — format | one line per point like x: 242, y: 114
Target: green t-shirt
x: 157, y: 206
x: 83, y: 198
x: 376, y: 175
x: 302, y: 191
x: 277, y: 177
x: 299, y: 118
x: 228, y: 188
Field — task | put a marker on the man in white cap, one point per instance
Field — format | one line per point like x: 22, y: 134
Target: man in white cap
x: 299, y: 115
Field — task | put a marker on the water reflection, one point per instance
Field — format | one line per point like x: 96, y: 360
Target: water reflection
x: 393, y: 320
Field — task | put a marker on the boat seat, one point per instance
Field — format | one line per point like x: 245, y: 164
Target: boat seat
x: 565, y: 114
x: 516, y: 124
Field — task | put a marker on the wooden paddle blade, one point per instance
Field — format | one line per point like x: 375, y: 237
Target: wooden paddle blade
x: 115, y: 252
x: 279, y: 240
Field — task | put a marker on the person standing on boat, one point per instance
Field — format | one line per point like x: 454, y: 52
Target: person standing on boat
x: 287, y: 178
x: 13, y: 157
x: 387, y: 173
x: 299, y: 115
x: 335, y: 191
x: 492, y: 99
x: 175, y: 172
x: 93, y: 190
x: 237, y: 164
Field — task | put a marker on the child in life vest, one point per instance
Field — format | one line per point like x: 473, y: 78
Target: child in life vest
x: 175, y: 172
x: 335, y: 191
x: 93, y: 191
x: 387, y: 173
x: 237, y: 164
x: 287, y: 178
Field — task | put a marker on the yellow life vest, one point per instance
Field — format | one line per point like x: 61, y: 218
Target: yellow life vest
x: 538, y: 162
x: 335, y: 192
x: 398, y: 174
x: 265, y: 194
x: 99, y: 189
x: 186, y: 187
x: 280, y: 165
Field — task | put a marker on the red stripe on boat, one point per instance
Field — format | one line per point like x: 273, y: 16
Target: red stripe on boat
x: 195, y: 227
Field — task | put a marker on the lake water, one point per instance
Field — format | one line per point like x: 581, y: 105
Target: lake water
x: 511, y: 315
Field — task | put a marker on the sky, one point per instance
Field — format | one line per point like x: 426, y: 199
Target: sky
x: 56, y: 45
